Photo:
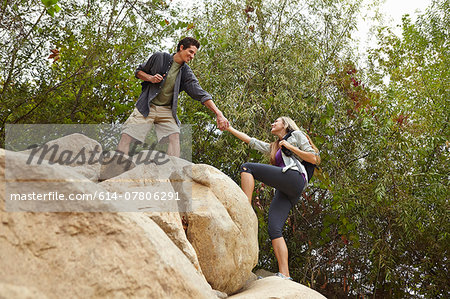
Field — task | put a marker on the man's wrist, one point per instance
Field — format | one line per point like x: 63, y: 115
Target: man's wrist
x: 218, y: 113
x: 210, y: 104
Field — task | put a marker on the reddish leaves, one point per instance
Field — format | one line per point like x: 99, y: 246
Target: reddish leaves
x: 190, y: 26
x: 353, y: 88
x: 401, y: 119
x: 247, y: 11
x: 55, y: 55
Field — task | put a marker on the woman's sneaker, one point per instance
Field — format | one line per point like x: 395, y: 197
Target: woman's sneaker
x: 283, y: 276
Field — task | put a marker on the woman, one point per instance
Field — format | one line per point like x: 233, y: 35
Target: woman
x: 286, y: 175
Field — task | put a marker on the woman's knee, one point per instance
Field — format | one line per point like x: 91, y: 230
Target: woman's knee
x: 275, y: 231
x: 246, y: 167
x: 278, y: 214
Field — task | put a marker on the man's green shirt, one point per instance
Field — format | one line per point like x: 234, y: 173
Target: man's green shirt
x: 164, y: 98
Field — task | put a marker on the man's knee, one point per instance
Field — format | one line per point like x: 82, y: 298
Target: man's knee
x: 126, y: 138
x: 172, y: 138
x: 175, y: 137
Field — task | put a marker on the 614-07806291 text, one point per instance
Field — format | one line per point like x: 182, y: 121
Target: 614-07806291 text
x: 138, y: 195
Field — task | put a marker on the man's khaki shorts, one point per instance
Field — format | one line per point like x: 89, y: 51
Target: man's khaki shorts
x: 137, y: 126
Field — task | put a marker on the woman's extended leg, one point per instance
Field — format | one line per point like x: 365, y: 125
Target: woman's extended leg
x: 289, y: 186
x: 281, y: 253
x: 278, y: 213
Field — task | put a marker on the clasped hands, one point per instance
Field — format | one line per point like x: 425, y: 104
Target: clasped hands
x: 222, y: 122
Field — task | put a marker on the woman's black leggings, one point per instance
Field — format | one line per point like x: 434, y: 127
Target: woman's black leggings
x: 289, y: 186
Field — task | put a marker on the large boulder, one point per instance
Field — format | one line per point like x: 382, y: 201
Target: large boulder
x: 276, y: 287
x: 44, y: 187
x: 85, y: 255
x: 154, y: 179
x: 222, y: 227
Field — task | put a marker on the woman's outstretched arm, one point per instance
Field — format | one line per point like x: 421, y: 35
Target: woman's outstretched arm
x: 244, y: 137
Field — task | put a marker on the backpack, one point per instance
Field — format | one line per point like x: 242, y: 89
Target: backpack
x: 309, y: 167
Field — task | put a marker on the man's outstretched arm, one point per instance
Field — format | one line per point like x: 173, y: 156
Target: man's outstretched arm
x: 222, y: 122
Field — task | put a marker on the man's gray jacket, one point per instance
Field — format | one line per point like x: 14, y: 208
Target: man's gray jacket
x: 160, y: 63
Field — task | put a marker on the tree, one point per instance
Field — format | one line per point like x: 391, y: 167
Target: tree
x: 94, y: 47
x: 415, y: 104
x: 374, y: 222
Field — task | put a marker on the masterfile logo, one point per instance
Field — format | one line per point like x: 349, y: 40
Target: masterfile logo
x: 59, y: 168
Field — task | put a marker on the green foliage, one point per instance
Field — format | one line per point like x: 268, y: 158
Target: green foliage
x: 412, y: 176
x: 94, y: 47
x: 52, y: 6
x: 375, y: 220
x: 261, y: 60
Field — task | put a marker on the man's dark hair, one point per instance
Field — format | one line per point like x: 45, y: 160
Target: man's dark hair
x: 187, y: 42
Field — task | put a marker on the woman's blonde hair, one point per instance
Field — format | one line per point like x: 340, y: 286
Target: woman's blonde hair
x: 290, y: 125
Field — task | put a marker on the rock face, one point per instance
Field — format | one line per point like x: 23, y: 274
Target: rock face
x: 48, y: 181
x: 86, y: 255
x: 276, y: 287
x: 156, y: 178
x: 203, y: 247
x: 95, y: 255
x: 223, y: 229
x: 171, y: 223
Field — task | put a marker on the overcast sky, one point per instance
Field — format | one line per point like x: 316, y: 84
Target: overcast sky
x: 397, y: 8
x: 393, y: 11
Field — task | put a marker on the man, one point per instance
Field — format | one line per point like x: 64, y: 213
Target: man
x: 164, y: 76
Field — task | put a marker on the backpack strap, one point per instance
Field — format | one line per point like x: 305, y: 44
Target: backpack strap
x: 309, y: 167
